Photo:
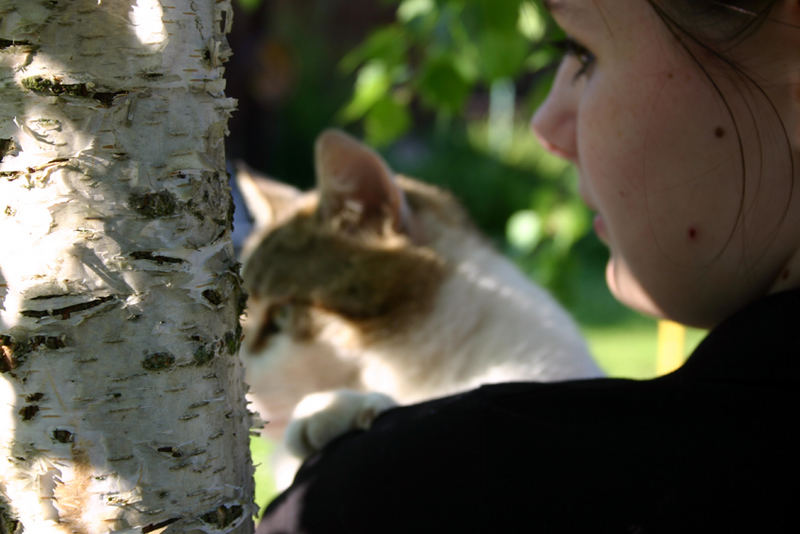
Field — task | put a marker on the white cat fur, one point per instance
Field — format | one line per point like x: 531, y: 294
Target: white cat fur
x: 489, y: 323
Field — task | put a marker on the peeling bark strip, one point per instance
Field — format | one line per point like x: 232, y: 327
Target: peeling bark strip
x: 67, y: 311
x: 121, y: 398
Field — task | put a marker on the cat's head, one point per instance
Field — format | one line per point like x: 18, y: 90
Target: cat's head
x: 331, y: 270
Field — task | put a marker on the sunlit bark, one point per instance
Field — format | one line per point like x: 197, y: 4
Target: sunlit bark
x: 121, y: 400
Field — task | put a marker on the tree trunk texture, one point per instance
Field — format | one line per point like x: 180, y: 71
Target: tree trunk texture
x: 121, y: 396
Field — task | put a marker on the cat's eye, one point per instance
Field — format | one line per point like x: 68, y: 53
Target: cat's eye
x: 276, y: 320
x: 281, y: 316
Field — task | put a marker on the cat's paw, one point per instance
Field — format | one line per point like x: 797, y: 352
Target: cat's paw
x: 322, y: 417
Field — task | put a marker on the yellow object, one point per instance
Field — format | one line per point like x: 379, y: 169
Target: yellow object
x: 671, y: 347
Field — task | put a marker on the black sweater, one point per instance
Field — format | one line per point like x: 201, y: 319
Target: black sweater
x: 710, y: 447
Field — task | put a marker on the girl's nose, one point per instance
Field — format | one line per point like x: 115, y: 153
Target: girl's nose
x: 554, y: 123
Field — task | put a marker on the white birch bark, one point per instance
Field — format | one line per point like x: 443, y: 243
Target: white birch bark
x: 121, y: 397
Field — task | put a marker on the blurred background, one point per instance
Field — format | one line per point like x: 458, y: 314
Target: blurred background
x: 444, y: 89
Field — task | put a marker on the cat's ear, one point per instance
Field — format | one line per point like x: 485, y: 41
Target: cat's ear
x: 357, y: 188
x: 266, y: 199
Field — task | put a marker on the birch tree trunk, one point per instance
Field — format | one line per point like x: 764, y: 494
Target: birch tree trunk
x: 121, y: 396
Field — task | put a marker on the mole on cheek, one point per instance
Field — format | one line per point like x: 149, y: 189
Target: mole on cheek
x: 692, y: 233
x: 719, y: 132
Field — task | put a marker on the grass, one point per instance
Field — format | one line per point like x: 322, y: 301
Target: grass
x: 625, y: 343
x: 260, y: 451
x: 628, y: 349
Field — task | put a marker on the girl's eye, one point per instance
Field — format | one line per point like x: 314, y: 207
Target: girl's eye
x: 571, y: 47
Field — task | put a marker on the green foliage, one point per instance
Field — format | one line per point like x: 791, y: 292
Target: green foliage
x: 524, y: 230
x: 387, y: 119
x: 372, y: 84
x: 442, y: 85
x: 441, y: 53
x: 446, y: 59
x: 502, y: 53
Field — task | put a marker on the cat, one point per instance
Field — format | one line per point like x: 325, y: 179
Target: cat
x: 375, y: 288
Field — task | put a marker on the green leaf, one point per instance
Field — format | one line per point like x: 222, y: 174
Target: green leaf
x: 442, y: 86
x: 466, y: 60
x: 569, y: 222
x: 502, y: 54
x: 411, y: 9
x: 387, y: 120
x: 372, y: 84
x: 541, y: 59
x: 532, y: 23
x: 524, y: 230
x: 500, y: 15
x: 387, y: 44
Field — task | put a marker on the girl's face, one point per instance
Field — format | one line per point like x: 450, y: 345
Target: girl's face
x: 695, y: 194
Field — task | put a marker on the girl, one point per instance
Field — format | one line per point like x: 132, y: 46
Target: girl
x: 683, y: 120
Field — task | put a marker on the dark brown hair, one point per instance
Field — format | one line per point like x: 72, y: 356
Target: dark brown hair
x: 714, y: 23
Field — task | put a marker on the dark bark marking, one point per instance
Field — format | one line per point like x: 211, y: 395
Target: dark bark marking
x: 8, y: 523
x: 12, y: 352
x: 29, y: 412
x: 43, y: 86
x: 149, y: 256
x: 203, y: 355
x: 152, y: 205
x: 8, y: 43
x: 66, y: 311
x: 222, y: 516
x: 8, y: 147
x: 212, y: 296
x: 162, y: 524
x: 158, y: 361
x: 63, y: 436
x: 172, y: 451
